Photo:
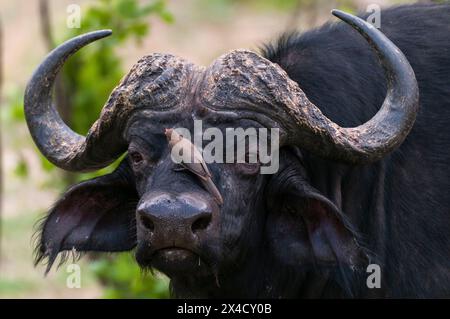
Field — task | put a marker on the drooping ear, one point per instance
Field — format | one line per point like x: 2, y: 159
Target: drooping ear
x: 95, y: 215
x: 304, y: 225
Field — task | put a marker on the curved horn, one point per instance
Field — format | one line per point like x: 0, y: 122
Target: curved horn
x: 57, y: 142
x: 381, y: 134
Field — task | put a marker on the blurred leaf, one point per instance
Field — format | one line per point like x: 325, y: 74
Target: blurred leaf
x: 85, y: 176
x: 124, y: 278
x: 21, y: 169
x: 45, y: 163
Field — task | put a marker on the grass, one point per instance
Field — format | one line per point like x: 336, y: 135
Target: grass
x: 18, y: 277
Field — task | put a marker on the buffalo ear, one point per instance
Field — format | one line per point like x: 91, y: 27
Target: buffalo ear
x: 306, y: 226
x: 95, y: 215
x: 331, y: 236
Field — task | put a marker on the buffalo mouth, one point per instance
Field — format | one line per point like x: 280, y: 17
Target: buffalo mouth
x: 175, y: 261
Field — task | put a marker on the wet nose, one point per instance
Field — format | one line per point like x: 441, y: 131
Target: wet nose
x: 180, y: 214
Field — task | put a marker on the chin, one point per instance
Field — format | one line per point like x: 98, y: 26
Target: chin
x: 174, y: 262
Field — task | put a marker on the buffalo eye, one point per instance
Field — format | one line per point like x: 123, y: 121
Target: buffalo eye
x: 249, y: 167
x: 136, y: 157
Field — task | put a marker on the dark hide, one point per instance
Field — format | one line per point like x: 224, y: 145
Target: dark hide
x: 401, y: 203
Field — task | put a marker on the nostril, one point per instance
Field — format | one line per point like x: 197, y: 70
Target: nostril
x: 147, y: 223
x: 201, y: 223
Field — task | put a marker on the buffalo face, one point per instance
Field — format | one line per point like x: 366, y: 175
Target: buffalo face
x: 181, y: 228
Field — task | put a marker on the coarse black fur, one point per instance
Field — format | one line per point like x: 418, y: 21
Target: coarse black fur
x: 402, y: 203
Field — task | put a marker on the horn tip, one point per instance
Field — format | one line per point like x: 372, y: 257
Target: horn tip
x: 338, y: 13
x: 104, y: 33
x: 348, y: 18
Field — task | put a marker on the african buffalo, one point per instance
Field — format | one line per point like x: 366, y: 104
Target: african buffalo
x: 356, y: 185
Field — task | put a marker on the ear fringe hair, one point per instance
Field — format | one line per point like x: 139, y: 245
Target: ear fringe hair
x: 47, y: 257
x: 41, y: 255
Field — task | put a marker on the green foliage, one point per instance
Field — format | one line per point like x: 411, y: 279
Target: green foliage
x: 92, y: 73
x: 96, y: 70
x: 13, y: 100
x: 21, y: 169
x: 124, y: 279
x: 218, y: 7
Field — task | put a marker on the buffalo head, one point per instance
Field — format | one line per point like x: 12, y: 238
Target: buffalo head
x: 167, y: 211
